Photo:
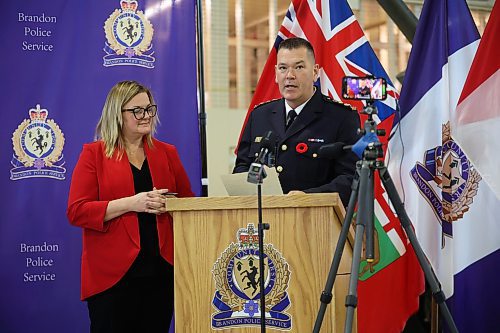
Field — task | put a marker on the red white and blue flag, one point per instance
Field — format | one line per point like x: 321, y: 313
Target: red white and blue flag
x: 388, y: 293
x: 477, y: 118
x: 454, y: 211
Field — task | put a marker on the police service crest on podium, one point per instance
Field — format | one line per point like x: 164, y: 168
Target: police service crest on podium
x: 236, y: 276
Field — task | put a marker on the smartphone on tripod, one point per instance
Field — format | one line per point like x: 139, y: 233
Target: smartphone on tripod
x: 364, y: 88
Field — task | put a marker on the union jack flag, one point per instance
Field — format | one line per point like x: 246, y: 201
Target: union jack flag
x: 340, y: 46
x: 342, y: 49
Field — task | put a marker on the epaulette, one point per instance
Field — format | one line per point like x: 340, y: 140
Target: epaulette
x: 333, y: 101
x: 266, y: 102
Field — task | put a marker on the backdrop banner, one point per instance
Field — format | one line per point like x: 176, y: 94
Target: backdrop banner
x: 60, y: 59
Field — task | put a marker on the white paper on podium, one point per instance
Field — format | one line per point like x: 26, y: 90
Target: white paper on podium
x: 237, y: 184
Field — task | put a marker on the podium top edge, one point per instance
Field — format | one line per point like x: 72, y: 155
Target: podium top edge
x: 250, y: 202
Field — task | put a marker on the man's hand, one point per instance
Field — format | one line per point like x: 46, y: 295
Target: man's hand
x: 295, y: 192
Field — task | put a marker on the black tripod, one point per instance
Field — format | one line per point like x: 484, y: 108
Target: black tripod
x: 363, y: 193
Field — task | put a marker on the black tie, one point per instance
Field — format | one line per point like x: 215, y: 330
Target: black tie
x: 290, y: 118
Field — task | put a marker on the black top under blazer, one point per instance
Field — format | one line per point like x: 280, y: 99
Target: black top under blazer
x: 322, y: 121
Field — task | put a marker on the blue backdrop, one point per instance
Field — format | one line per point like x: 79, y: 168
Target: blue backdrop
x: 59, y: 60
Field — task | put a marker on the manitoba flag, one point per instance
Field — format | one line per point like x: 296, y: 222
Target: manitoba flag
x: 388, y: 291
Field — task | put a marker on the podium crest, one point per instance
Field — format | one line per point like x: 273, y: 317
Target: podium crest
x: 237, y: 279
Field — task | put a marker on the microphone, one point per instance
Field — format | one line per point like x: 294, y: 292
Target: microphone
x: 256, y: 172
x: 333, y: 150
x: 267, y: 144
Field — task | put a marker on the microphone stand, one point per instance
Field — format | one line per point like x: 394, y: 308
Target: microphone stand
x: 256, y: 175
x: 261, y: 228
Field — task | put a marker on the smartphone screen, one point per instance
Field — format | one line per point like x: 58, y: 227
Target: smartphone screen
x: 365, y: 88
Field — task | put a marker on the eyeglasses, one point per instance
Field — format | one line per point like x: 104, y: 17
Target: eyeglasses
x: 140, y: 113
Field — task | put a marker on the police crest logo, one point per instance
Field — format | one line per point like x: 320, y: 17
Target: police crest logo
x: 129, y: 34
x: 237, y: 279
x: 38, y: 144
x: 447, y: 172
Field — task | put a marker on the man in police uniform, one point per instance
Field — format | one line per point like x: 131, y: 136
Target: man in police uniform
x: 319, y: 121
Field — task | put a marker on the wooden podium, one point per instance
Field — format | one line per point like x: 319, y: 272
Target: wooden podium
x: 216, y: 262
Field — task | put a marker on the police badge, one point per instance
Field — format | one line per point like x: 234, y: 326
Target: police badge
x: 38, y: 145
x: 447, y: 180
x: 237, y: 281
x: 129, y: 34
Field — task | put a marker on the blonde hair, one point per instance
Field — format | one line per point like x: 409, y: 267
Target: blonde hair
x: 109, y: 127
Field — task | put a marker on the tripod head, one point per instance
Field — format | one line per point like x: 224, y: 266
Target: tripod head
x: 369, y: 147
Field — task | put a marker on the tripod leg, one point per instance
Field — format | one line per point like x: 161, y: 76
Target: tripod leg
x: 369, y: 237
x: 430, y: 276
x: 364, y: 217
x: 326, y: 295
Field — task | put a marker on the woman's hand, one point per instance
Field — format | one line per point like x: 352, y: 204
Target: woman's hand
x: 152, y: 202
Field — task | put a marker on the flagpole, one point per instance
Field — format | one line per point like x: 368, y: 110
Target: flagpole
x: 202, y: 116
x: 402, y: 16
x: 404, y: 19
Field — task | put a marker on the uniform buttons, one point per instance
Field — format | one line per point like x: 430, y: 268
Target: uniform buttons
x: 284, y: 147
x: 279, y: 168
x: 315, y: 155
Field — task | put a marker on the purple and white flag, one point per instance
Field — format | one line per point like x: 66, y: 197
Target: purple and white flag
x: 454, y: 211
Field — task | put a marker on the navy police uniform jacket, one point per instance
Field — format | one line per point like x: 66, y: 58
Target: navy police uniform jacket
x: 322, y: 121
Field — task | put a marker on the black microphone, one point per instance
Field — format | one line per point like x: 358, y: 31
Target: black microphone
x: 256, y: 172
x: 333, y: 150
x: 267, y: 145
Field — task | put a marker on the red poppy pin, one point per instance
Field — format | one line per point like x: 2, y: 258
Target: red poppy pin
x: 301, y: 148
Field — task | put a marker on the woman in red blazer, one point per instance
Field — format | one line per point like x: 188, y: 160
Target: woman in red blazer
x: 117, y: 197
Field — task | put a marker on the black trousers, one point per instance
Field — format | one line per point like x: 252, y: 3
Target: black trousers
x: 135, y: 304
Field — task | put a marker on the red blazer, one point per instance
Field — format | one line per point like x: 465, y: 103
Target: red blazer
x: 110, y: 248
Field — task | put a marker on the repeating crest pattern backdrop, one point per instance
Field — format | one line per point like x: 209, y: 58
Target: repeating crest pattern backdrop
x: 59, y: 60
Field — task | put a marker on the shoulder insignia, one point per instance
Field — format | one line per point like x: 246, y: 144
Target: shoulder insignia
x: 333, y: 101
x: 266, y: 102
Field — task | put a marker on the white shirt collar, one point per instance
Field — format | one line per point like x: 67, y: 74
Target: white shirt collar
x: 298, y: 108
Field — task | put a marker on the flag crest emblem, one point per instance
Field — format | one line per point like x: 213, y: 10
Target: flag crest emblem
x: 446, y: 172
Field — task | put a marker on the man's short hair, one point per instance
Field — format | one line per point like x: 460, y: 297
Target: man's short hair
x: 297, y: 43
